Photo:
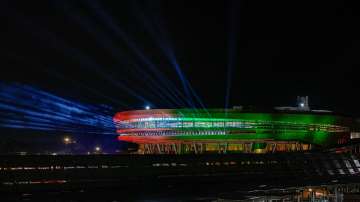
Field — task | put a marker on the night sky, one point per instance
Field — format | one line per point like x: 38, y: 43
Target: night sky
x: 112, y: 52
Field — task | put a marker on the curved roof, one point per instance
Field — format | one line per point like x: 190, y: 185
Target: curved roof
x: 228, y: 114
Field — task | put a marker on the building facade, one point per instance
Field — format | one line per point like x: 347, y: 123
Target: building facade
x: 182, y: 131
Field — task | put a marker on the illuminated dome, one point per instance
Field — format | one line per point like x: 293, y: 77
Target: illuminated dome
x: 275, y: 131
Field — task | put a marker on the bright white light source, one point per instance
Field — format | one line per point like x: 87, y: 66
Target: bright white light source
x: 302, y: 104
x: 67, y: 140
x: 147, y: 107
x: 97, y: 148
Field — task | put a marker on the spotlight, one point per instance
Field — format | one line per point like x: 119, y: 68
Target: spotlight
x: 147, y: 107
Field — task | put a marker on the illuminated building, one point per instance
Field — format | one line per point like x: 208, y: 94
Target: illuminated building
x: 284, y: 129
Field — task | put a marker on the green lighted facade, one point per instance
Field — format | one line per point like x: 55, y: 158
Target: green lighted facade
x: 185, y: 126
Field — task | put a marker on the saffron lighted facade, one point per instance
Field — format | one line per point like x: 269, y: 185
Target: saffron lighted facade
x: 230, y: 131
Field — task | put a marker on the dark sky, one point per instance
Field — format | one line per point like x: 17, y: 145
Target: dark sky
x: 94, y: 50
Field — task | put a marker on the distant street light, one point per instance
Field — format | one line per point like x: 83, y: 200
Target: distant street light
x: 67, y: 140
x: 97, y: 149
x: 69, y: 144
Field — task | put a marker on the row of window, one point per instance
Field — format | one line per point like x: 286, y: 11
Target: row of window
x: 230, y: 124
x: 61, y: 167
x: 336, y: 163
x: 175, y: 133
